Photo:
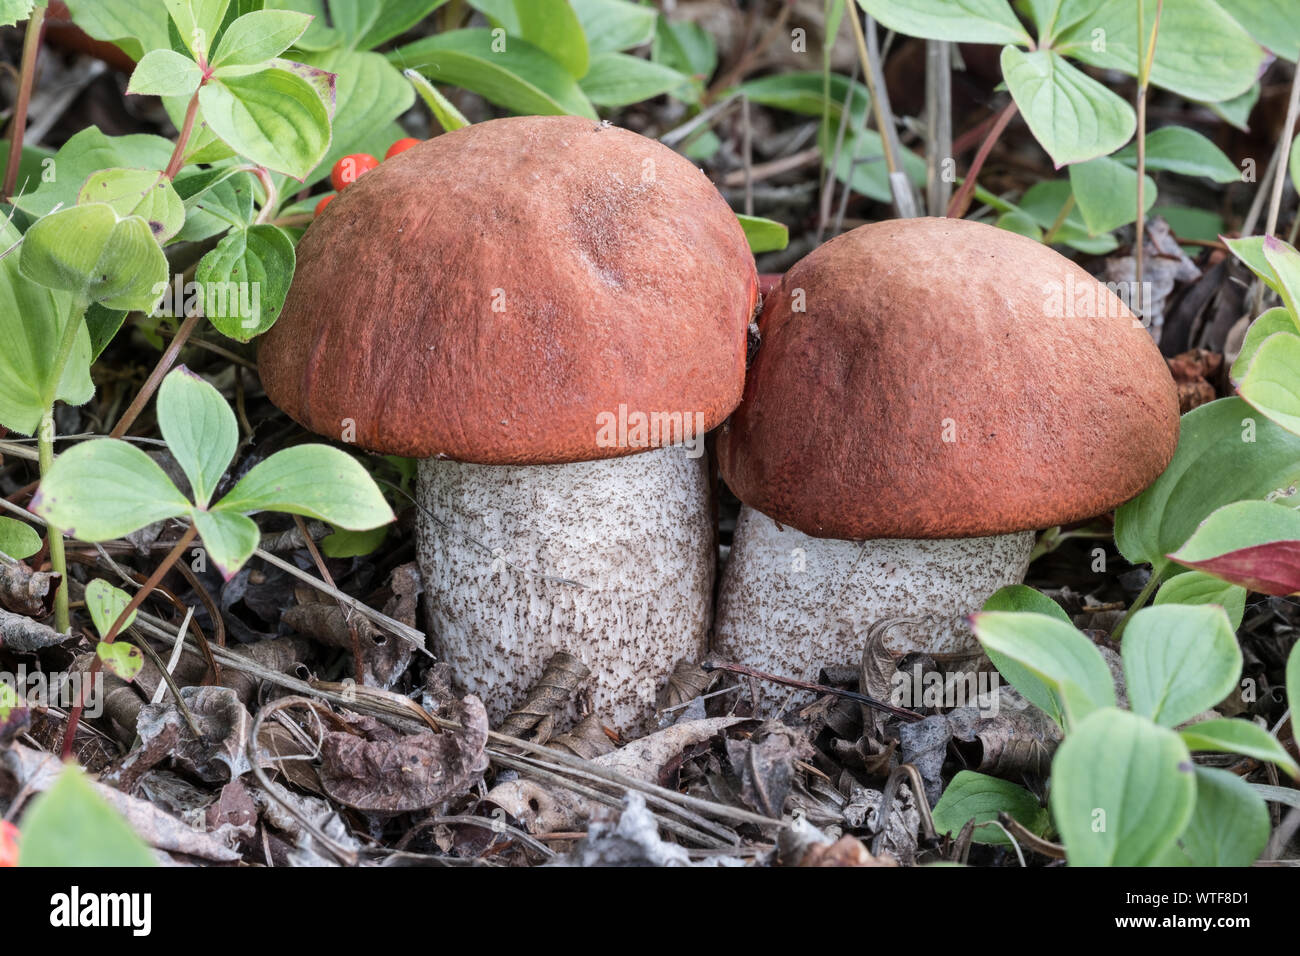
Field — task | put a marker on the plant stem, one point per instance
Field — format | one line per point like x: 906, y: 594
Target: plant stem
x: 18, y: 125
x: 961, y: 202
x: 58, y: 560
x: 1279, y: 178
x: 1144, y: 79
x: 177, y: 162
x: 272, y: 204
x: 900, y: 186
x: 1139, y: 602
x: 132, y: 606
x: 155, y: 378
x: 1061, y: 216
x: 45, y: 458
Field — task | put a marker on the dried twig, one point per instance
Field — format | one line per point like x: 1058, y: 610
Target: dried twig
x: 816, y: 688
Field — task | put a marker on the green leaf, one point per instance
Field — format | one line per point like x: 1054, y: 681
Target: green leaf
x: 444, y: 111
x: 1019, y: 597
x: 962, y: 21
x: 1196, y: 587
x: 1271, y: 384
x: 133, y: 26
x: 1252, y: 543
x: 138, y: 192
x: 9, y: 702
x: 1178, y: 149
x: 1250, y: 250
x: 686, y: 47
x: 979, y: 797
x: 32, y: 322
x: 105, y: 604
x: 612, y: 25
x: 515, y: 75
x: 215, y: 200
x: 1071, y: 115
x: 1021, y: 223
x: 1230, y: 824
x: 72, y: 825
x: 1055, y: 653
x: 315, y: 481
x: 230, y: 539
x: 1189, y: 222
x: 1106, y: 191
x: 1201, y: 52
x: 1295, y: 163
x: 18, y: 540
x: 862, y: 160
x: 353, y: 544
x: 165, y: 73
x: 359, y: 24
x: 1123, y: 790
x: 1179, y: 661
x: 764, y: 235
x: 1226, y: 452
x: 809, y: 93
x: 13, y: 12
x: 103, y: 325
x: 246, y: 279
x: 104, y: 489
x: 197, y: 22
x: 88, y: 152
x: 1225, y: 735
x: 1236, y: 111
x: 1285, y: 262
x: 618, y: 79
x: 121, y: 659
x: 553, y: 26
x: 199, y: 428
x: 88, y: 251
x: 370, y: 94
x: 259, y: 36
x: 1273, y: 24
x: 1270, y: 322
x: 273, y: 117
x: 1044, y: 202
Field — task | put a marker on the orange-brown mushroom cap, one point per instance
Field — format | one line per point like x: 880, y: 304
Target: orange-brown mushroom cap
x: 937, y: 378
x: 486, y: 295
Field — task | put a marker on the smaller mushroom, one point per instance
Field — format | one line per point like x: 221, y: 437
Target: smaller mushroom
x: 927, y: 393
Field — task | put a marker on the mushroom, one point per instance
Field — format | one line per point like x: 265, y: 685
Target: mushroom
x: 550, y: 313
x: 927, y: 393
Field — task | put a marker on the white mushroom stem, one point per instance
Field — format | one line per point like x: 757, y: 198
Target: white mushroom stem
x: 791, y: 604
x: 612, y: 561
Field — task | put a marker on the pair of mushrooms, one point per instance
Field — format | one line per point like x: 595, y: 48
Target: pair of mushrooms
x: 551, y: 313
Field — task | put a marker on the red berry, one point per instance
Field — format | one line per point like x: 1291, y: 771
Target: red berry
x: 320, y: 206
x: 347, y: 169
x: 8, y: 844
x: 401, y: 146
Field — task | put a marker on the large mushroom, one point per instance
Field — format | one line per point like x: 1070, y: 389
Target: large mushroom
x: 926, y: 394
x: 550, y: 312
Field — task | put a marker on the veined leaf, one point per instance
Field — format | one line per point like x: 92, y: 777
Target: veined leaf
x: 1255, y: 544
x: 1179, y: 661
x: 1071, y: 115
x: 1123, y: 790
x: 104, y: 489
